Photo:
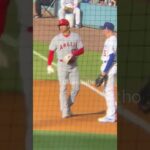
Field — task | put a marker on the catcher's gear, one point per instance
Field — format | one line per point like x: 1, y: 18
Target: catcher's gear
x: 50, y: 69
x: 63, y: 22
x: 100, y: 79
x: 68, y: 58
x: 68, y: 9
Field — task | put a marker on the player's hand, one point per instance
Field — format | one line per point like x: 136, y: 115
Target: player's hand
x: 100, y: 80
x: 103, y: 74
x: 50, y: 69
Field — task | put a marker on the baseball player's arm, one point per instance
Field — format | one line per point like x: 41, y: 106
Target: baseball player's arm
x: 52, y: 48
x: 49, y: 63
x: 80, y: 48
x: 50, y: 57
x: 78, y: 52
x: 109, y: 63
x: 111, y: 54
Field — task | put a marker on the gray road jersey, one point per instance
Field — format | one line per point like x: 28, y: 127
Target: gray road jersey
x: 64, y: 45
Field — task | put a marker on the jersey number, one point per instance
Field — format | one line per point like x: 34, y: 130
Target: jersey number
x: 104, y: 53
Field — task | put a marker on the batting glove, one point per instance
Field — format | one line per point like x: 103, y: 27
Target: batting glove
x: 50, y: 69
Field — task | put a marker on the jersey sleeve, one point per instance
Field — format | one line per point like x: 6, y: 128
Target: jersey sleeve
x: 53, y: 44
x: 109, y: 63
x: 79, y: 43
x: 112, y: 47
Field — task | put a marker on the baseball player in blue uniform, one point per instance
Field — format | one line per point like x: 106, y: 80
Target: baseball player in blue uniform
x: 68, y: 46
x: 109, y: 68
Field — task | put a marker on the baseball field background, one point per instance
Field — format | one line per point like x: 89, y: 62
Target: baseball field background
x: 82, y: 131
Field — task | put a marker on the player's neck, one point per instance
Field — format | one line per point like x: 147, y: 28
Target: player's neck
x: 66, y: 34
x: 109, y: 35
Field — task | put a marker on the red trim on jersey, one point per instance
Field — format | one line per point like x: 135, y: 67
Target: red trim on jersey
x: 50, y: 57
x: 3, y: 11
x: 78, y: 52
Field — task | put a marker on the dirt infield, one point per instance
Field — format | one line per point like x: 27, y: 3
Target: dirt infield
x: 87, y: 108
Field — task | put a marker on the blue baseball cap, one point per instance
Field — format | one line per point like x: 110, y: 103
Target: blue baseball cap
x: 108, y: 25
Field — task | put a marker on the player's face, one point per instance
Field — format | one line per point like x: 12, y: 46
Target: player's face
x: 107, y: 32
x: 64, y: 29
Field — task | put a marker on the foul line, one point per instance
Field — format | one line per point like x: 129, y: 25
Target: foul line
x: 122, y: 111
x: 82, y: 82
x: 133, y: 118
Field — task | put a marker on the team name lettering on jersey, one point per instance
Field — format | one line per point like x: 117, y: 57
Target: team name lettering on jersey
x: 67, y: 45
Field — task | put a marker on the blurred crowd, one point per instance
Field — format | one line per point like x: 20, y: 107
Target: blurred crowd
x: 42, y: 8
x: 102, y: 2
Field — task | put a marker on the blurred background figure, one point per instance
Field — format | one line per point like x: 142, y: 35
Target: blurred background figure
x: 25, y: 62
x: 110, y: 2
x: 70, y: 7
x: 3, y: 12
x: 41, y: 8
x: 12, y: 91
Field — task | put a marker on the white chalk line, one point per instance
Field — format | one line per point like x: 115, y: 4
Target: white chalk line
x: 122, y: 111
x: 133, y: 118
x: 82, y: 82
x: 7, y: 39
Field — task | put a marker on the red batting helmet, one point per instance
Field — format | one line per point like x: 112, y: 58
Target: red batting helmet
x: 63, y: 22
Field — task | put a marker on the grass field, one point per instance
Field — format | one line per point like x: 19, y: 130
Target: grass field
x: 45, y: 140
x: 89, y: 64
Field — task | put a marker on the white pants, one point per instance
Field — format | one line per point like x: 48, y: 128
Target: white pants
x: 67, y: 74
x: 76, y: 12
x: 109, y: 92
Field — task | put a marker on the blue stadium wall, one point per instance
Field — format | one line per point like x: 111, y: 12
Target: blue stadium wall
x: 94, y: 15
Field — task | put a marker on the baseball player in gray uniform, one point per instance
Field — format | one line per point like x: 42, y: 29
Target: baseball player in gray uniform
x: 68, y: 46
